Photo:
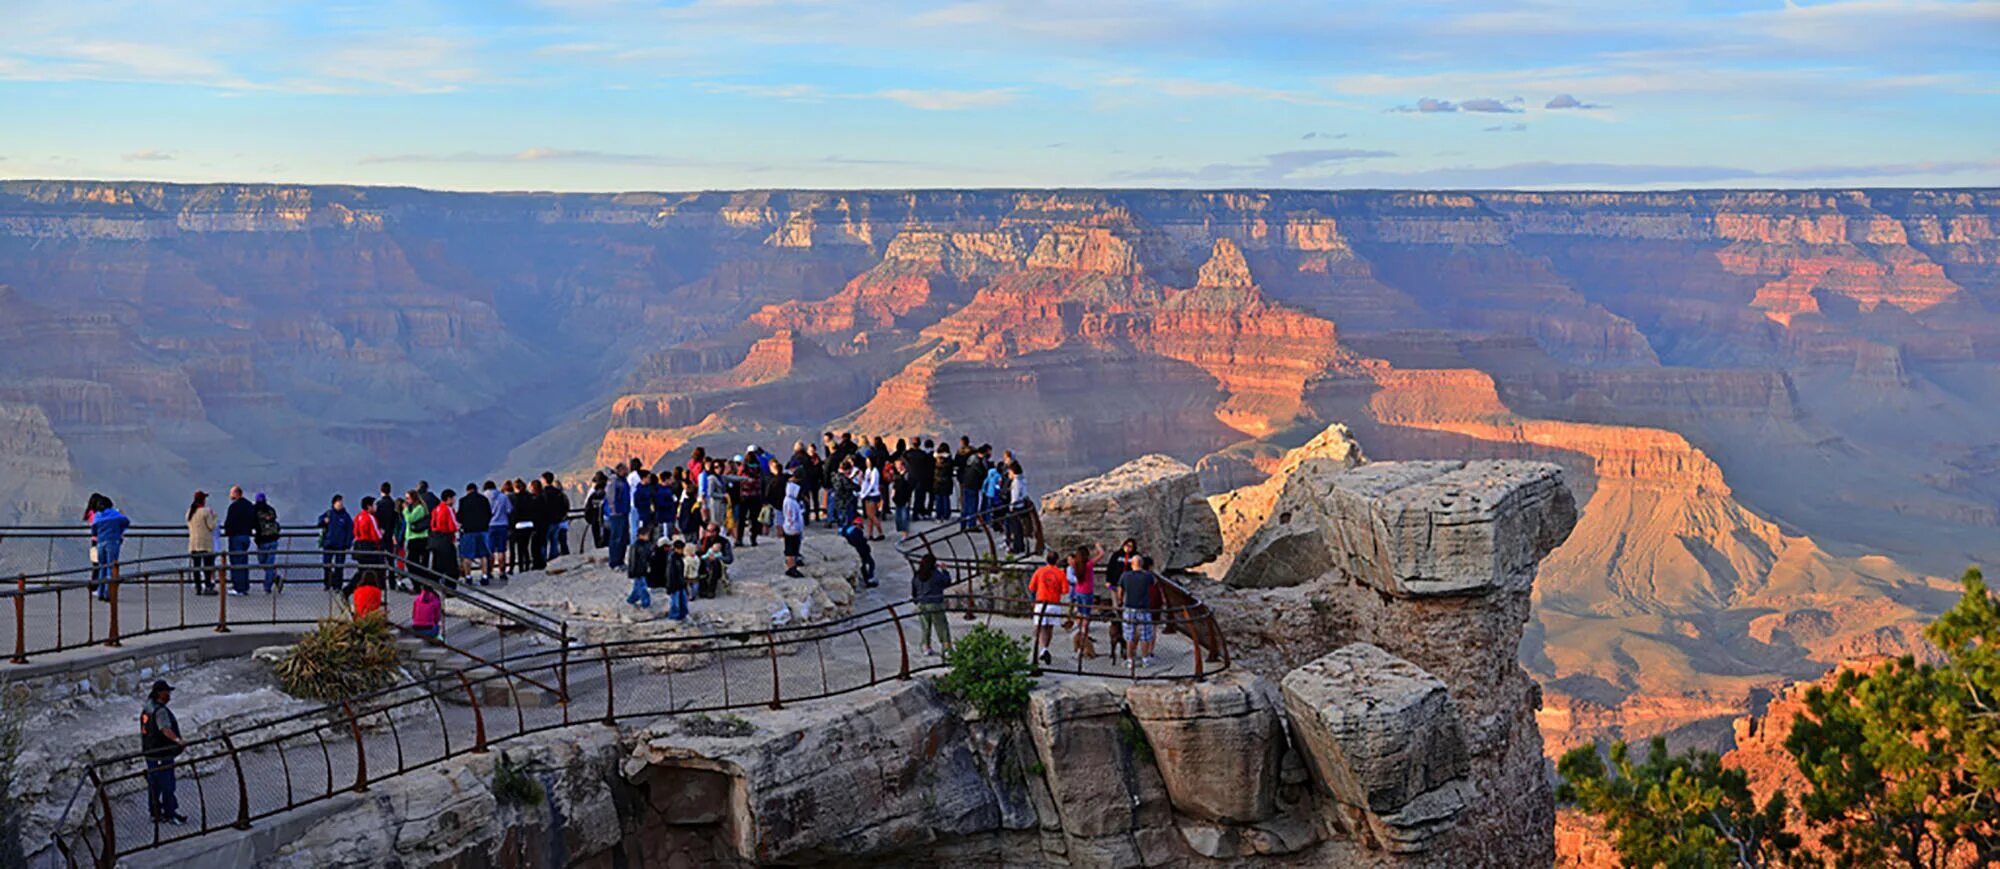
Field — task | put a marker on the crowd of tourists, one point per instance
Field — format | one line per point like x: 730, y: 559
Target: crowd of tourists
x: 673, y: 529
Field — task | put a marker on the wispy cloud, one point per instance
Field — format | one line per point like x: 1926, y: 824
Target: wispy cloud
x: 1565, y: 101
x: 1276, y: 169
x: 1486, y: 105
x: 147, y: 156
x: 949, y: 100
x: 528, y: 155
x: 1505, y: 128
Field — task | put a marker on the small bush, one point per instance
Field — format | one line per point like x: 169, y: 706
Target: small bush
x: 340, y: 659
x: 989, y: 670
x: 514, y: 784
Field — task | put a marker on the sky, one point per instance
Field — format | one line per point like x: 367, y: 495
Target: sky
x: 606, y: 95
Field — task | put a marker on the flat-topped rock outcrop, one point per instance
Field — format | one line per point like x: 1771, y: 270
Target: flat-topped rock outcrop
x: 1155, y: 499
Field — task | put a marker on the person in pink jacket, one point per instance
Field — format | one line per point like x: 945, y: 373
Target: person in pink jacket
x: 426, y: 613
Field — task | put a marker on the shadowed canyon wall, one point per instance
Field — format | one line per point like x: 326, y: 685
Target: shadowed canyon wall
x: 1776, y: 407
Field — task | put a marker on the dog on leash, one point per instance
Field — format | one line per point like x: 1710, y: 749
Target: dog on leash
x: 1080, y: 640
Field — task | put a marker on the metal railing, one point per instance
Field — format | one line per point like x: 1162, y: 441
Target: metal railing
x: 253, y: 772
x: 263, y: 770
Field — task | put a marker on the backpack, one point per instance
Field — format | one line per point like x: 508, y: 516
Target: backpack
x: 267, y: 522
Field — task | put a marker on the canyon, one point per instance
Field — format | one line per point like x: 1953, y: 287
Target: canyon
x: 1775, y: 407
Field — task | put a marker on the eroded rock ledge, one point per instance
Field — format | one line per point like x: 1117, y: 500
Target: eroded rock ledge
x: 1374, y: 716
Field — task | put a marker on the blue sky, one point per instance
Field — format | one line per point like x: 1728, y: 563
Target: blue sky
x: 611, y: 95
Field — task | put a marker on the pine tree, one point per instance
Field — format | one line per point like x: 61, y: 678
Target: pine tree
x: 1677, y: 810
x: 1904, y: 762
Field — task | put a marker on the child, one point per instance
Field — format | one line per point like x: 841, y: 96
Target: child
x: 857, y: 536
x: 426, y: 613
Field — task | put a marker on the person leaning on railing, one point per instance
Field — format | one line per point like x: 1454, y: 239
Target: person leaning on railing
x: 927, y: 588
x: 107, y: 530
x: 201, y: 526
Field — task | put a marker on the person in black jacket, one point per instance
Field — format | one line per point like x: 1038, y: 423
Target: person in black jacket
x: 943, y: 475
x: 668, y: 572
x: 971, y: 477
x: 239, y: 526
x: 922, y: 467
x: 475, y: 519
x: 268, y: 532
x: 555, y: 511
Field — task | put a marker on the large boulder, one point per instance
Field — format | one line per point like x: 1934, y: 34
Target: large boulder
x: 884, y: 770
x: 1243, y: 509
x: 1153, y: 499
x: 1110, y: 800
x: 1411, y: 529
x: 1383, y: 739
x: 1219, y: 744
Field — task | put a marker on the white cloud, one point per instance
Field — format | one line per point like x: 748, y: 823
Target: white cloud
x: 949, y: 100
x: 148, y: 156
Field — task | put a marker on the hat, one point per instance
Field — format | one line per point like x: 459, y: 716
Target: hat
x: 260, y: 497
x: 738, y: 458
x: 752, y: 449
x: 158, y: 686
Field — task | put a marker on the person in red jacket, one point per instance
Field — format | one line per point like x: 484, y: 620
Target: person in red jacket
x: 367, y: 544
x: 444, y: 536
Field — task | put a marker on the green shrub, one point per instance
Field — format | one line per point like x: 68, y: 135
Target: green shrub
x: 340, y: 659
x: 728, y: 726
x: 1133, y: 737
x: 514, y: 784
x: 989, y: 670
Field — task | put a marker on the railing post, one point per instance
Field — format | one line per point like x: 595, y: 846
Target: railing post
x: 242, y: 784
x: 112, y: 592
x: 610, y: 689
x: 771, y: 642
x: 222, y: 588
x: 360, y: 750
x: 478, y: 717
x: 1194, y: 634
x: 902, y: 642
x: 108, y: 857
x: 20, y: 620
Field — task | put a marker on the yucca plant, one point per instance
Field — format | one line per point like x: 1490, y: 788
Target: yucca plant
x: 340, y: 659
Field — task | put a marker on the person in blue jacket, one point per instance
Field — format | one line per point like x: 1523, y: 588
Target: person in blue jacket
x: 617, y: 518
x: 336, y: 536
x: 857, y: 537
x: 107, y: 527
x: 645, y: 500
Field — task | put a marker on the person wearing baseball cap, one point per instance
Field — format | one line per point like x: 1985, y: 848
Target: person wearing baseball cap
x: 160, y: 741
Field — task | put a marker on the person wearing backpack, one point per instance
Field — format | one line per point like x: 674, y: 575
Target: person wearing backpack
x: 268, y: 532
x: 336, y: 536
x: 239, y: 527
x: 107, y: 528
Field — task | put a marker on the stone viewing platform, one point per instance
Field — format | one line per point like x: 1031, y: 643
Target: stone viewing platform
x: 1345, y: 693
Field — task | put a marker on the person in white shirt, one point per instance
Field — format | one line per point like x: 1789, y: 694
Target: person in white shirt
x: 793, y: 526
x: 632, y: 480
x: 871, y: 498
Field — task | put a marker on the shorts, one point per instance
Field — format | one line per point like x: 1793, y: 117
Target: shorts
x: 496, y: 541
x: 474, y: 545
x: 1138, y: 626
x: 1086, y: 604
x: 792, y: 542
x: 1049, y: 614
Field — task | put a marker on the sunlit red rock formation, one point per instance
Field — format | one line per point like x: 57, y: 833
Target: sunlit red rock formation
x: 1778, y: 404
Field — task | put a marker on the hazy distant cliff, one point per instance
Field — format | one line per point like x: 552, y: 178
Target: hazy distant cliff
x: 1779, y: 406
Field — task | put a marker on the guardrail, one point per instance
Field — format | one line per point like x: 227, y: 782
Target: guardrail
x: 61, y: 611
x: 256, y: 772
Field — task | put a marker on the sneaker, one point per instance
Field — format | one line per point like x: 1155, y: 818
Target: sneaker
x: 1148, y: 662
x: 177, y: 818
x: 1047, y: 659
x: 928, y: 653
x: 794, y: 573
x: 235, y: 593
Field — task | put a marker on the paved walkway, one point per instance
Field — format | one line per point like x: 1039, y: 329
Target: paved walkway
x: 289, y: 765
